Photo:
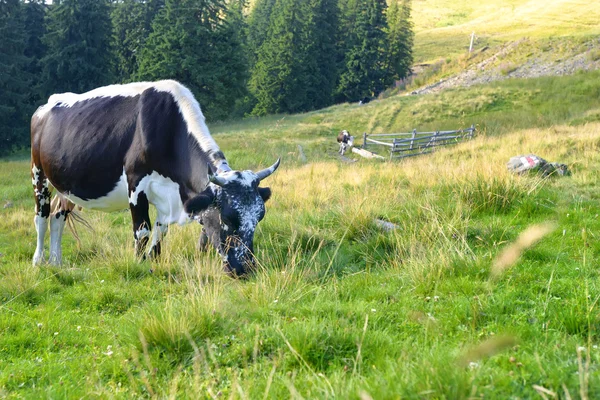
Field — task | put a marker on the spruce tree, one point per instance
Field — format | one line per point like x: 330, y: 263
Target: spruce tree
x: 132, y: 24
x: 277, y: 79
x: 319, y: 54
x: 34, y: 12
x: 364, y: 71
x: 128, y: 21
x: 258, y: 27
x: 78, y: 46
x: 196, y: 43
x: 14, y: 80
x: 400, y: 39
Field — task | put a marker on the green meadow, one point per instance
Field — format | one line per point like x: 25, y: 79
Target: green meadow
x: 443, y: 28
x: 487, y: 287
x: 339, y: 306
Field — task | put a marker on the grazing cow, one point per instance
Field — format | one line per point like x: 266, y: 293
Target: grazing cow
x: 345, y: 140
x: 364, y: 100
x: 134, y: 145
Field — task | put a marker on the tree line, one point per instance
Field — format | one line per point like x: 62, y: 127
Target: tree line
x: 278, y: 56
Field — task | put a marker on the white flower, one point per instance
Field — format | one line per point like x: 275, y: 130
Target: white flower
x: 373, y: 310
x: 78, y: 328
x: 109, y: 351
x: 473, y: 365
x: 39, y: 325
x: 55, y: 333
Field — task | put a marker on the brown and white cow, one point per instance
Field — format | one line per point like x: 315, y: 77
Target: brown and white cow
x: 134, y: 145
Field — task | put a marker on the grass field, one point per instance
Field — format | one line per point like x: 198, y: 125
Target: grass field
x: 443, y: 28
x: 339, y: 308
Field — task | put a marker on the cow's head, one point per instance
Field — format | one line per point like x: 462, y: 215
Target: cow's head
x: 229, y: 210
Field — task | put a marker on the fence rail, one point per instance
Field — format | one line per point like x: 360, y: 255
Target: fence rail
x: 414, y: 143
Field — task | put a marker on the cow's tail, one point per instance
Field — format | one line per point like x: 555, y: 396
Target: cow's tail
x: 74, y: 217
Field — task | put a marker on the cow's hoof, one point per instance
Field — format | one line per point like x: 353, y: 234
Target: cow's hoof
x: 38, y: 258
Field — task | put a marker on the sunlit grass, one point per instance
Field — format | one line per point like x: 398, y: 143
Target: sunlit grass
x: 443, y: 28
x: 338, y: 306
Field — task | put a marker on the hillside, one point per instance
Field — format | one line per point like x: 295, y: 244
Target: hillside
x: 339, y: 307
x: 487, y: 287
x: 443, y: 28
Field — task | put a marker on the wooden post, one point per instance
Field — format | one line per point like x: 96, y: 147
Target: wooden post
x: 414, y: 134
x: 471, y: 45
x: 364, y: 140
x: 472, y: 131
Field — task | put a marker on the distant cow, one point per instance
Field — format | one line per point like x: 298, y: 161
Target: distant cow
x: 134, y: 145
x: 345, y: 140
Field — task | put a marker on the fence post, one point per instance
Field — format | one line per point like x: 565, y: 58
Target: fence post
x: 472, y: 131
x: 471, y: 45
x: 414, y: 134
x: 364, y: 140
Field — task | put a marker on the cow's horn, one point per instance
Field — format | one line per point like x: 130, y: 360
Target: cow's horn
x: 268, y: 171
x: 216, y: 179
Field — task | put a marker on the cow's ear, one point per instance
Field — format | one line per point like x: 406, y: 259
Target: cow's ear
x: 200, y: 202
x: 265, y: 193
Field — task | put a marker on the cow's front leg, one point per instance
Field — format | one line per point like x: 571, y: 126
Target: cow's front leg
x: 141, y: 223
x: 42, y: 210
x: 160, y: 231
x: 61, y: 208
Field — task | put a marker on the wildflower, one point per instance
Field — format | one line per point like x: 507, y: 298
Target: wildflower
x: 109, y: 351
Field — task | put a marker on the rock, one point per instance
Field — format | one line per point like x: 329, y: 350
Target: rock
x: 8, y: 204
x: 532, y: 163
x: 385, y: 225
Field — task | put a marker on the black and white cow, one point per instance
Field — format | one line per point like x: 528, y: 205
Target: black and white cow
x: 345, y: 140
x: 134, y: 145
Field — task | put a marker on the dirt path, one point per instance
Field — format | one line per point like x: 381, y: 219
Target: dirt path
x: 542, y: 64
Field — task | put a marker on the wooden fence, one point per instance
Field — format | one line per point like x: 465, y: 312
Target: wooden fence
x: 415, y: 143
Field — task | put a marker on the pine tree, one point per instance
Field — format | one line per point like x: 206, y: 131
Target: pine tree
x: 364, y: 70
x: 196, y: 43
x: 132, y: 24
x: 34, y: 12
x: 276, y: 80
x: 320, y: 52
x: 14, y: 80
x: 258, y: 26
x: 400, y: 39
x: 78, y: 46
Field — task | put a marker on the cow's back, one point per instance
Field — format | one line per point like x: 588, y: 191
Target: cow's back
x: 81, y: 146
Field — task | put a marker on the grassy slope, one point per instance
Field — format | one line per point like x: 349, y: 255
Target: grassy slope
x: 443, y: 28
x: 339, y: 307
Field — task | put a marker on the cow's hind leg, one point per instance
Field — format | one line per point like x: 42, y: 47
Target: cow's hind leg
x: 141, y: 223
x: 42, y: 210
x: 61, y: 207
